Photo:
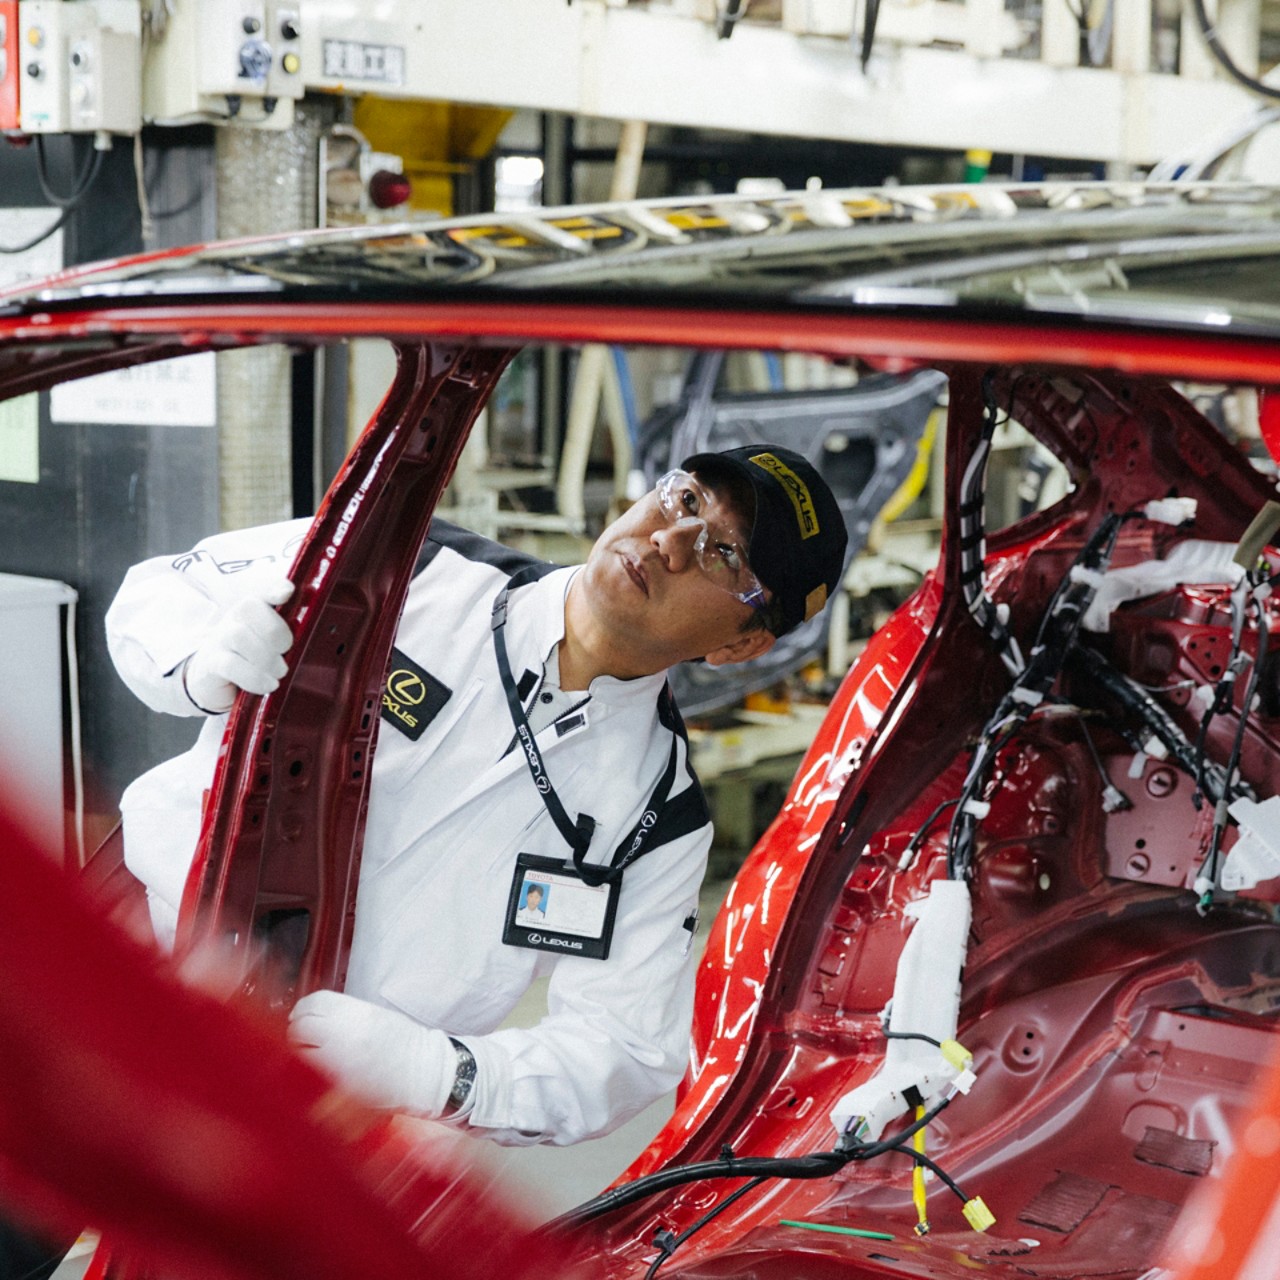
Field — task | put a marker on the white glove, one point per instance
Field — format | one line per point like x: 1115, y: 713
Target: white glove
x: 243, y: 651
x: 384, y: 1056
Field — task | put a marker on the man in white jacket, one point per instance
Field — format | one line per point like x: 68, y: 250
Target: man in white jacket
x: 515, y: 689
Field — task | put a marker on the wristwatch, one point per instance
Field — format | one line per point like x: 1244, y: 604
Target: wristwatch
x: 464, y: 1077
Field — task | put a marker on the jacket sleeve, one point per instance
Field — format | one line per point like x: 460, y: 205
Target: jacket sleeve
x: 166, y: 606
x: 616, y: 1034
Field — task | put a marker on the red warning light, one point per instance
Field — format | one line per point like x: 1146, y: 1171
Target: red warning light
x: 388, y: 189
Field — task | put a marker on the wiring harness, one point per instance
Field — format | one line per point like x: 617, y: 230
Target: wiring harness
x: 761, y: 1169
x: 1056, y: 648
x: 1055, y: 639
x: 1149, y: 729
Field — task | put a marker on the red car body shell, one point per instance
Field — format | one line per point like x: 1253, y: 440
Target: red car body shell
x: 1116, y: 1033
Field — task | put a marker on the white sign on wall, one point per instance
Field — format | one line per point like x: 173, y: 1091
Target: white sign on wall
x: 169, y: 393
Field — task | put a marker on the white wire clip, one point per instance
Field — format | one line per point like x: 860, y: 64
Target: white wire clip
x: 1174, y: 511
x: 977, y: 808
x: 1114, y: 799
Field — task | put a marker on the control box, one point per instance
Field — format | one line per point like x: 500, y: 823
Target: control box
x: 80, y: 66
x: 234, y: 61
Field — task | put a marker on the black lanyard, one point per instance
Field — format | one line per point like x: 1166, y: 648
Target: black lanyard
x: 577, y: 834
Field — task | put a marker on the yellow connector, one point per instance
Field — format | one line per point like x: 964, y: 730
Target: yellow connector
x: 956, y: 1054
x: 978, y: 1216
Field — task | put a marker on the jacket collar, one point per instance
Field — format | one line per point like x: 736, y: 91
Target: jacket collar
x: 535, y: 626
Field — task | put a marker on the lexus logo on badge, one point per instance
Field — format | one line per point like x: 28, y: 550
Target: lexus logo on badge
x: 406, y: 687
x: 542, y: 940
x: 543, y: 783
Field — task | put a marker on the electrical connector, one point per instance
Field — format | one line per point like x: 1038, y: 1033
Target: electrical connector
x: 965, y: 1080
x: 855, y: 1132
x: 1174, y: 511
x: 978, y: 1216
x: 977, y: 808
x: 1113, y: 799
x: 956, y: 1054
x: 1155, y: 748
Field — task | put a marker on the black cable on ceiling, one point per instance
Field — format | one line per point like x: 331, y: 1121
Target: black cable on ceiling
x: 1224, y: 59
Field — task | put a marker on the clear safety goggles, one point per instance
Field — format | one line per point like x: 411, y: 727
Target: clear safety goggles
x: 720, y: 549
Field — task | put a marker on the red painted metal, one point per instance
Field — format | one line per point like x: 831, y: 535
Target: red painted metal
x: 187, y: 1129
x: 10, y: 65
x: 1230, y: 1230
x: 893, y: 342
x: 1116, y: 1033
x: 279, y: 854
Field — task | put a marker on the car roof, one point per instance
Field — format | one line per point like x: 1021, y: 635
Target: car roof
x: 1049, y: 269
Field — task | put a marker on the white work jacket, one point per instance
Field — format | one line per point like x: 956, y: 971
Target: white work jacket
x: 448, y: 814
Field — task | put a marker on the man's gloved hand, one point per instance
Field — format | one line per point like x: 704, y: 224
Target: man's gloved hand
x: 384, y: 1056
x: 243, y: 651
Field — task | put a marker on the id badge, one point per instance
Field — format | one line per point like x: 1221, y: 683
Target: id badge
x: 552, y: 909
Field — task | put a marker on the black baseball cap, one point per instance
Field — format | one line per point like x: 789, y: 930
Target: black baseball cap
x: 798, y: 540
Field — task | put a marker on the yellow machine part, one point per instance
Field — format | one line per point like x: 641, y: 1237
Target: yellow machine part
x: 436, y: 141
x: 912, y: 487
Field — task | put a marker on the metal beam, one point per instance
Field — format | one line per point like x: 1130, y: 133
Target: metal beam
x: 653, y: 64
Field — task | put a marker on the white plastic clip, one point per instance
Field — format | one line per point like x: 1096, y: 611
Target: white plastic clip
x: 1113, y: 799
x: 1174, y: 511
x: 1255, y: 856
x: 977, y: 808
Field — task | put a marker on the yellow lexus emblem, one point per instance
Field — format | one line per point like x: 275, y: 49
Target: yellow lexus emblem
x: 406, y: 687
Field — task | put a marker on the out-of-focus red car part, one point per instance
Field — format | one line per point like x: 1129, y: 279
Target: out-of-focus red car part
x: 189, y: 1131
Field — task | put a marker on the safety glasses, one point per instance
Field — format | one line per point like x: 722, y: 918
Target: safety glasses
x: 720, y: 549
